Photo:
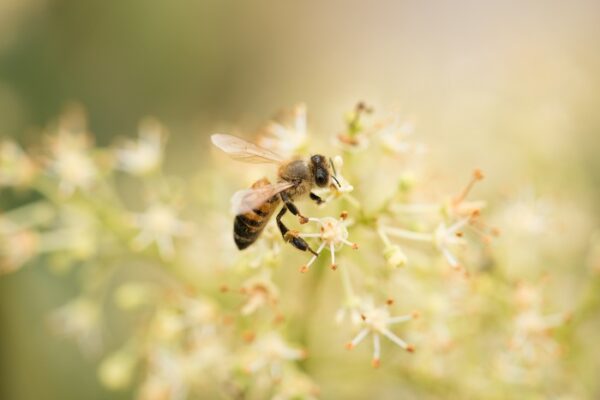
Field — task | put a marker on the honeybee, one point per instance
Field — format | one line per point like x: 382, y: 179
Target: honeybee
x: 255, y: 206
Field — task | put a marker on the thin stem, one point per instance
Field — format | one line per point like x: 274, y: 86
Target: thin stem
x: 409, y: 235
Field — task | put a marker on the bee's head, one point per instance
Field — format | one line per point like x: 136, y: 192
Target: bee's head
x: 320, y: 169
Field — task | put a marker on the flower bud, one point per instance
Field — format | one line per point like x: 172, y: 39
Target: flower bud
x: 394, y: 256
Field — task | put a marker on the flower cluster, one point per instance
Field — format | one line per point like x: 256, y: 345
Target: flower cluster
x: 199, y: 318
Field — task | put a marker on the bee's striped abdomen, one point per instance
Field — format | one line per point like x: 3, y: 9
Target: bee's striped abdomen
x: 248, y: 227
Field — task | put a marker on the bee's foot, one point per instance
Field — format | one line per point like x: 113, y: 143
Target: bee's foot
x: 303, y: 219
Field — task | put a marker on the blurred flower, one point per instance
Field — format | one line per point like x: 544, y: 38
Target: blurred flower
x: 16, y: 168
x: 355, y: 137
x: 393, y: 136
x: 116, y: 370
x: 70, y: 161
x: 287, y: 137
x: 333, y: 234
x: 295, y: 385
x: 377, y: 320
x: 531, y: 326
x: 16, y: 249
x: 159, y: 224
x: 144, y: 155
x: 270, y: 352
x: 260, y: 291
x: 133, y: 295
x: 79, y: 320
x: 166, y: 376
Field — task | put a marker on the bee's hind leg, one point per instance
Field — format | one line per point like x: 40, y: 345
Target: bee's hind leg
x: 292, y: 236
x: 292, y: 207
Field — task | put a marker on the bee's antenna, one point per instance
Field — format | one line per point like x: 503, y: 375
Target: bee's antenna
x: 334, y: 176
x: 332, y: 166
x: 336, y: 181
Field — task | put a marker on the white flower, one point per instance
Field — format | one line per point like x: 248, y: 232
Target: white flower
x: 393, y: 136
x: 377, y: 321
x: 333, y: 235
x: 443, y: 238
x: 144, y: 155
x: 159, y: 224
x: 286, y: 137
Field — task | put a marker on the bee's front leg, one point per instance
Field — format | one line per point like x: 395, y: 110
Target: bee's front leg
x: 316, y: 198
x: 292, y: 207
x: 292, y: 236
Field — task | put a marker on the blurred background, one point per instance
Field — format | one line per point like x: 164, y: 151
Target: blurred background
x: 510, y: 87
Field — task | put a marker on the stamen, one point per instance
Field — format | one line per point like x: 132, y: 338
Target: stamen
x: 394, y: 338
x: 332, y: 250
x: 376, y: 350
x: 309, y: 235
x: 357, y: 339
x: 450, y: 258
x: 477, y: 176
x: 457, y: 225
x: 353, y: 245
x: 312, y: 259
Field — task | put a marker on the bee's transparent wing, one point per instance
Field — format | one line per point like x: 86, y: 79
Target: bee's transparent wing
x: 239, y: 149
x: 246, y: 200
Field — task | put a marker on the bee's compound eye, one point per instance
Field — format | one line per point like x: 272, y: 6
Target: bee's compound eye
x: 321, y: 177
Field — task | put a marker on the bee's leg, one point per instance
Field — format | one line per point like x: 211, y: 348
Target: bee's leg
x: 292, y: 207
x: 316, y: 198
x: 292, y: 236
